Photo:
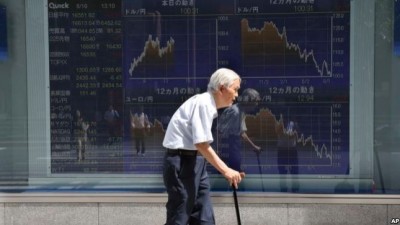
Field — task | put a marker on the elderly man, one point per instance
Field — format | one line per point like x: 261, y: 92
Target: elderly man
x: 187, y: 142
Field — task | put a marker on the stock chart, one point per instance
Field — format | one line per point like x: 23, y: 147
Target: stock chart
x: 294, y: 53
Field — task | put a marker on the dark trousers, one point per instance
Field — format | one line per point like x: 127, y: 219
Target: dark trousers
x: 288, y: 163
x: 187, y: 184
x: 287, y: 156
x: 139, y: 136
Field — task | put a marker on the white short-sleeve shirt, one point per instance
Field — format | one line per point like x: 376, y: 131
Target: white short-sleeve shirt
x: 191, y: 123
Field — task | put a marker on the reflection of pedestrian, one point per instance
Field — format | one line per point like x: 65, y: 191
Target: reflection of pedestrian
x: 111, y: 116
x: 81, y: 128
x: 187, y: 142
x: 287, y: 153
x: 232, y: 128
x: 140, y: 125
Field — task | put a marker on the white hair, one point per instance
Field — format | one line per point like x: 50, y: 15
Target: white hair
x: 222, y: 76
x: 249, y: 95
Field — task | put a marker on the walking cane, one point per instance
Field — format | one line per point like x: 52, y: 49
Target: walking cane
x: 260, y: 169
x: 236, y: 205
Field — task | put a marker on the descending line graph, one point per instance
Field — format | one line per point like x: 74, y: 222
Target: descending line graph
x: 270, y: 33
x: 271, y: 48
x: 297, y: 138
x: 269, y: 130
x: 320, y: 150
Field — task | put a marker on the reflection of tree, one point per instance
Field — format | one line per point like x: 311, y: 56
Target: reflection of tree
x: 384, y: 29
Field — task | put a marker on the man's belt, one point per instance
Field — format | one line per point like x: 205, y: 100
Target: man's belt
x: 181, y: 152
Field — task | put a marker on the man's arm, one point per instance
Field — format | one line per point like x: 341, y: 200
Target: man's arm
x: 147, y: 123
x: 233, y: 176
x: 132, y: 120
x: 245, y: 137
